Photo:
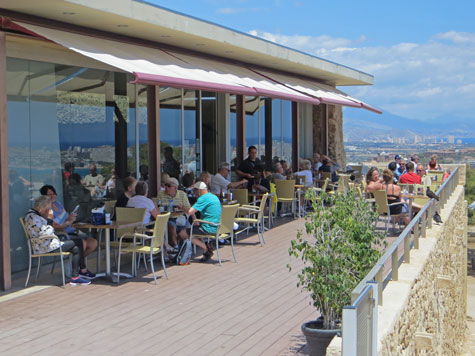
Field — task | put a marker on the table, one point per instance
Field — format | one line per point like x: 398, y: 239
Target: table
x: 107, y: 228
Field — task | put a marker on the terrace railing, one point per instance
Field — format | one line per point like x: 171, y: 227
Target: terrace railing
x: 356, y: 327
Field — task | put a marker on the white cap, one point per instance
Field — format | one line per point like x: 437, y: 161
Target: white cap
x: 200, y: 185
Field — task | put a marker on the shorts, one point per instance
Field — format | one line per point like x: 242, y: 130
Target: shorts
x: 172, y: 222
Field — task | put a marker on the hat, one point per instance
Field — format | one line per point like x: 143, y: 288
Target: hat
x: 200, y: 185
x: 172, y: 181
x: 397, y: 157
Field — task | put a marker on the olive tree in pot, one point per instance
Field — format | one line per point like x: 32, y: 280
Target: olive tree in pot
x: 338, y: 247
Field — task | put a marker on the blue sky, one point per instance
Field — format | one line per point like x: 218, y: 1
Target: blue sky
x: 422, y: 53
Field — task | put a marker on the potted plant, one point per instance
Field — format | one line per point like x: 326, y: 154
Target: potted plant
x: 338, y: 247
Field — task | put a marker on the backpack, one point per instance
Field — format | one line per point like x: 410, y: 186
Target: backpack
x: 183, y: 256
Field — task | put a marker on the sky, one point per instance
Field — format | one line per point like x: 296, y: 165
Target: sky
x: 421, y: 53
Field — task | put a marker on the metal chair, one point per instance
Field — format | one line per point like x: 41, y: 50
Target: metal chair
x: 383, y: 207
x: 157, y: 238
x: 258, y: 212
x: 285, y: 192
x: 224, y: 229
x: 32, y: 255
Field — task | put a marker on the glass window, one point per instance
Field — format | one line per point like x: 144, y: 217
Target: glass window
x: 209, y: 130
x: 262, y: 129
x: 170, y: 131
x: 287, y: 131
x: 232, y: 129
x: 192, y: 122
x: 276, y: 129
x: 251, y: 104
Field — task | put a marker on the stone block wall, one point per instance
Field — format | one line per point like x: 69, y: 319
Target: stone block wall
x: 432, y: 321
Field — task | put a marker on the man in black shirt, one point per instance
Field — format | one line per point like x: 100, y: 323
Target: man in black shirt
x: 247, y: 168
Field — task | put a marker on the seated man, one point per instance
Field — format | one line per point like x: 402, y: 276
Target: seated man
x: 421, y: 172
x: 94, y: 181
x: 180, y: 200
x: 210, y: 208
x: 220, y: 183
x: 278, y: 172
x: 140, y: 200
x: 410, y: 177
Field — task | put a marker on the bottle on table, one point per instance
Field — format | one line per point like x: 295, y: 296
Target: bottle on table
x: 171, y: 208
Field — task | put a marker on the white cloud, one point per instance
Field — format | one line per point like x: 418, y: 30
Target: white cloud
x: 236, y: 10
x: 418, y: 80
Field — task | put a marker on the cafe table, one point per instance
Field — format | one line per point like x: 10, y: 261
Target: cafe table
x: 114, y: 225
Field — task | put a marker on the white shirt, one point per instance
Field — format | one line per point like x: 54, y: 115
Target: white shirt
x: 308, y: 176
x: 141, y: 201
x: 218, y: 183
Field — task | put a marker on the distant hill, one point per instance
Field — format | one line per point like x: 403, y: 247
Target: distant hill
x: 358, y: 124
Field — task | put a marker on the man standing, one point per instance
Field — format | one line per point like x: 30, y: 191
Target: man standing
x: 220, y: 183
x: 410, y: 177
x: 247, y: 168
x: 210, y: 209
x: 171, y: 165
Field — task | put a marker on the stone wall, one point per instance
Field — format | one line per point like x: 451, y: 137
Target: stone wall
x: 424, y: 312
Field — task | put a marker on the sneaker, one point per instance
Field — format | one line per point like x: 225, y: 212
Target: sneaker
x: 206, y: 256
x: 78, y: 281
x: 87, y: 275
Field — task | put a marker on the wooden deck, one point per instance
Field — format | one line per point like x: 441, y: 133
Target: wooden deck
x: 252, y: 307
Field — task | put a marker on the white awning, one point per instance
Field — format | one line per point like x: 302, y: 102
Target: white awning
x: 325, y: 93
x: 165, y: 68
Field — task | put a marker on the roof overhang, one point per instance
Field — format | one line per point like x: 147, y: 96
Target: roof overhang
x: 138, y: 19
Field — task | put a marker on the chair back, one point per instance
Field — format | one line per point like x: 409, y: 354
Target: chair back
x: 109, y: 206
x: 325, y: 185
x: 381, y: 200
x: 129, y: 215
x: 159, y: 229
x: 343, y: 183
x: 27, y: 235
x: 241, y: 195
x: 436, y: 176
x: 262, y: 205
x: 357, y: 169
x: 285, y: 189
x: 228, y: 214
x: 326, y: 175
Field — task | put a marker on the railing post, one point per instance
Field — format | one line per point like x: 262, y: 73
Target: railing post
x: 395, y: 267
x: 407, y: 246
x: 424, y: 223
x: 374, y: 333
x: 416, y: 235
x: 379, y: 280
x: 431, y: 213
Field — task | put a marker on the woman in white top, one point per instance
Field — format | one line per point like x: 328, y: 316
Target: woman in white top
x: 140, y: 200
x: 306, y: 171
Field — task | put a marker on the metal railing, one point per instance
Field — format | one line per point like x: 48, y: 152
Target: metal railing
x: 424, y: 217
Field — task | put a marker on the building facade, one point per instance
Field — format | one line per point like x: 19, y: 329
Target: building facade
x: 138, y: 90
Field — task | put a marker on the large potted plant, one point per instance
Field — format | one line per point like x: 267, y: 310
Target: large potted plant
x: 338, y: 247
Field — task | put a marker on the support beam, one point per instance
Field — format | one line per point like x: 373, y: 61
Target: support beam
x: 5, y: 263
x: 240, y: 129
x: 295, y: 136
x: 153, y: 123
x: 324, y: 138
x: 268, y: 133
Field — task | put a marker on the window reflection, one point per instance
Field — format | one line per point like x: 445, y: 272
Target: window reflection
x: 170, y: 131
x: 251, y: 104
x: 191, y: 122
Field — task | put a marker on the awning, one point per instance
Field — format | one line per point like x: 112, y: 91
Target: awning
x: 324, y: 93
x: 165, y: 68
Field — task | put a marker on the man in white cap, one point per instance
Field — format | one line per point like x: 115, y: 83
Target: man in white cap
x: 210, y: 209
x: 180, y: 201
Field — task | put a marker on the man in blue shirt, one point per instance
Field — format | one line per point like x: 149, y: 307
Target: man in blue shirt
x: 209, y: 207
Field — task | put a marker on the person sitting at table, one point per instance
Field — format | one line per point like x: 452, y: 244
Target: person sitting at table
x: 433, y: 165
x: 77, y: 194
x: 210, y: 209
x: 392, y: 166
x: 421, y: 172
x: 140, y: 200
x: 278, y: 172
x: 410, y: 177
x: 306, y: 171
x: 393, y: 193
x: 94, y: 179
x: 176, y: 227
x: 220, y: 183
x: 327, y: 167
x: 39, y: 225
x: 261, y: 182
x: 373, y: 182
x: 129, y: 191
x: 163, y: 180
x: 285, y: 166
x: 64, y: 221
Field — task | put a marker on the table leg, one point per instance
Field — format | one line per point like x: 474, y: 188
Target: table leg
x: 108, y: 252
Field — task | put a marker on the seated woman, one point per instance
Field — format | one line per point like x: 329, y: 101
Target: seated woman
x: 129, y: 192
x: 373, y: 182
x: 39, y: 225
x: 140, y: 200
x: 328, y: 167
x: 306, y: 171
x: 63, y: 221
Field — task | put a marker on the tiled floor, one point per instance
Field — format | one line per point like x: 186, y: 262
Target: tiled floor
x: 249, y: 308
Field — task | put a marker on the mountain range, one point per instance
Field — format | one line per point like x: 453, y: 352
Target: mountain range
x: 358, y: 124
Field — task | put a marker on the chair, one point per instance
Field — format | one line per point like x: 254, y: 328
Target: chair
x: 285, y: 191
x: 382, y: 207
x: 436, y: 176
x: 241, y: 196
x: 343, y: 182
x: 259, y: 216
x: 109, y: 206
x: 32, y: 255
x: 224, y: 229
x: 156, y: 246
